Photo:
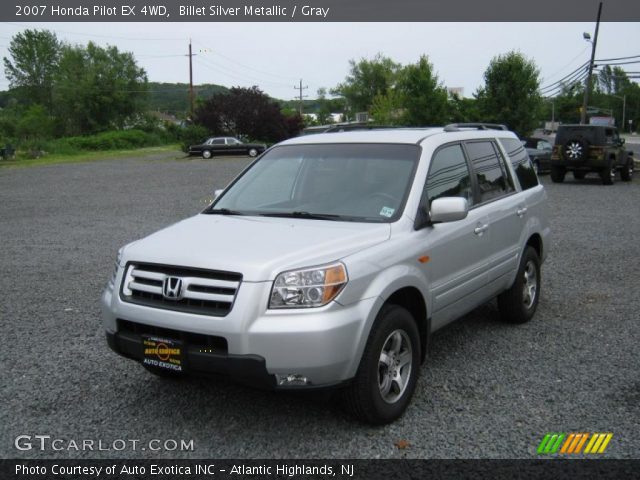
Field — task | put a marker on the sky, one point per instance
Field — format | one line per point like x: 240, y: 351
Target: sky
x: 276, y: 56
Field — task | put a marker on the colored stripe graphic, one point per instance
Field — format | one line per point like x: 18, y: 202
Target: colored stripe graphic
x: 551, y: 442
x: 572, y: 443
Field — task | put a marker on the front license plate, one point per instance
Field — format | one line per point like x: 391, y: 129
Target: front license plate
x: 162, y: 353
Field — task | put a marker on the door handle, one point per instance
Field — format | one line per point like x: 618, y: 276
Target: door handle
x: 521, y: 211
x: 480, y: 230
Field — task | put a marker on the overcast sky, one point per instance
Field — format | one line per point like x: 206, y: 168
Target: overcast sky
x: 275, y: 56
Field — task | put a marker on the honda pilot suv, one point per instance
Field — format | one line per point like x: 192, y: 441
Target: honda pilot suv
x: 581, y: 149
x: 333, y: 258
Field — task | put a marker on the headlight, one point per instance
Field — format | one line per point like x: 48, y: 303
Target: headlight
x: 310, y: 287
x: 112, y: 280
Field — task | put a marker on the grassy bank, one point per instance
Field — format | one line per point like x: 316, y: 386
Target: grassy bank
x: 78, y: 157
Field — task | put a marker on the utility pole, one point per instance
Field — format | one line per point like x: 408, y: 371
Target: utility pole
x: 585, y: 102
x: 301, y: 88
x: 191, y: 91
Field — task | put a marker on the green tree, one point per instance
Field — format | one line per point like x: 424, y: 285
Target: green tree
x: 463, y: 109
x: 34, y: 124
x: 33, y: 65
x: 97, y: 88
x: 510, y: 94
x: 366, y: 80
x: 424, y: 98
x: 387, y: 109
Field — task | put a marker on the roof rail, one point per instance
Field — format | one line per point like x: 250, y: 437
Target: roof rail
x: 455, y: 127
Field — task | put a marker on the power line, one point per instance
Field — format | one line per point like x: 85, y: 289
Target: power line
x: 570, y: 62
x: 619, y: 58
x: 215, y: 52
x: 566, y: 77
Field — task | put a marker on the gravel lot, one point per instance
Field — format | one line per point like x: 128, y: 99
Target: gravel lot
x: 489, y: 390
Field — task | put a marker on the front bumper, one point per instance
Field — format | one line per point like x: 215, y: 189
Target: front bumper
x: 323, y: 345
x: 249, y: 369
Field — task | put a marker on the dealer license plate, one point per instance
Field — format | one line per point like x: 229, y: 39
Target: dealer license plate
x: 162, y: 353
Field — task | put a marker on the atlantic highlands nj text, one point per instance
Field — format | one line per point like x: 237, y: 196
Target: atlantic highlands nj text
x: 197, y: 468
x: 176, y: 12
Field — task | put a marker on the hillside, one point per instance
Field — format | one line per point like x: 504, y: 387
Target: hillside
x: 174, y: 97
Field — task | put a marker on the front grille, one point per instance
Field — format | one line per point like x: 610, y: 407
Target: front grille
x: 219, y: 344
x: 203, y: 292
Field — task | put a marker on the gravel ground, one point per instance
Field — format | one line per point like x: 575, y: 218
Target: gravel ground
x: 489, y: 390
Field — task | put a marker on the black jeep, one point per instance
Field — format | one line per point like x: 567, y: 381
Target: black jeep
x: 590, y: 148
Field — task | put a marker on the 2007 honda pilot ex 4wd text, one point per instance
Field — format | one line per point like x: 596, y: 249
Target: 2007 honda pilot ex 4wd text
x: 331, y: 260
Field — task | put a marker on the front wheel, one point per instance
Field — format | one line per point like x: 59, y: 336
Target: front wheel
x: 519, y: 302
x: 626, y: 174
x: 389, y: 368
x: 253, y: 152
x: 206, y: 154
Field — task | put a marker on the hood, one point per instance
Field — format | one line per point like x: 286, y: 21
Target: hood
x: 257, y: 247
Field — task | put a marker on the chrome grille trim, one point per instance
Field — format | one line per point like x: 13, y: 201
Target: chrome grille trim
x: 204, y: 292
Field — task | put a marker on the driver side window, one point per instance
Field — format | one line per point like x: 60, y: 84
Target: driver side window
x: 449, y: 175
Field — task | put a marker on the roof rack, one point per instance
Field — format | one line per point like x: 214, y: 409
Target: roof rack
x: 455, y: 127
x: 353, y: 126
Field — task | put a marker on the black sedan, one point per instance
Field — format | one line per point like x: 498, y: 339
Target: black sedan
x: 539, y: 151
x: 226, y: 146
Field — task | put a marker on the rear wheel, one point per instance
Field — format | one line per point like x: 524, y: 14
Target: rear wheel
x: 388, y: 371
x: 608, y: 175
x: 626, y: 174
x: 519, y: 303
x: 557, y: 174
x: 253, y: 152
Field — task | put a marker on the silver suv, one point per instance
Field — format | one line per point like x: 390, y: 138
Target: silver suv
x: 332, y: 259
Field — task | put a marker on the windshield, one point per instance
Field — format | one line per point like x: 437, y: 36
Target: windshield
x: 351, y: 182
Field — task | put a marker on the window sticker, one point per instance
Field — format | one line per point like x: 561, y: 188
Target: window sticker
x: 387, y: 211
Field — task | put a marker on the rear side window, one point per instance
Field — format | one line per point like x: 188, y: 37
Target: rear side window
x: 490, y: 176
x: 449, y: 175
x: 520, y: 162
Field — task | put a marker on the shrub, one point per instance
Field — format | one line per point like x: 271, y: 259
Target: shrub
x: 192, y: 135
x: 114, y: 140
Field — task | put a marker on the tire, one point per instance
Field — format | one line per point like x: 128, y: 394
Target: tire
x: 626, y: 174
x: 608, y: 175
x: 557, y: 174
x: 518, y: 304
x: 579, y: 175
x: 576, y: 149
x: 206, y: 154
x: 376, y: 396
x: 253, y: 152
x: 162, y: 372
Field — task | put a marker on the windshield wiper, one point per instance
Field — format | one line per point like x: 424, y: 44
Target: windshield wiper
x: 306, y: 215
x: 223, y: 211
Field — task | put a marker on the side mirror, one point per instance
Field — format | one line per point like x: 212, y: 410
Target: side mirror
x: 216, y: 193
x: 448, y: 209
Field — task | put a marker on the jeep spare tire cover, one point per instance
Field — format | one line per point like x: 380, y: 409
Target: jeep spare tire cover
x: 576, y: 149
